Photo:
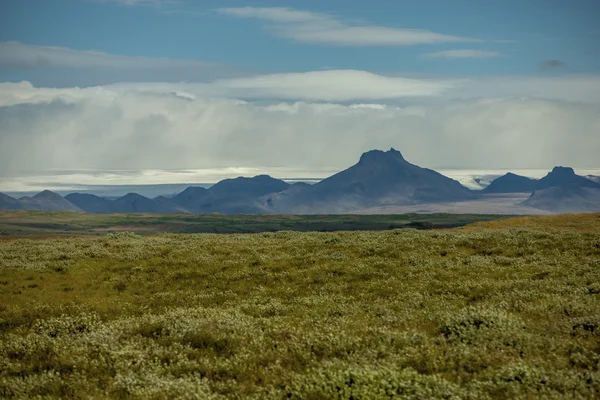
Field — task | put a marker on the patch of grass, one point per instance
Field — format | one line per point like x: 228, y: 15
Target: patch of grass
x: 490, y: 311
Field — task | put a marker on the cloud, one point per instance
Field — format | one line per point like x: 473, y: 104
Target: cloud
x: 463, y: 54
x: 551, y: 65
x: 310, y: 27
x: 61, y: 66
x: 572, y: 88
x: 19, y: 55
x: 334, y: 85
x: 123, y: 128
x: 342, y: 86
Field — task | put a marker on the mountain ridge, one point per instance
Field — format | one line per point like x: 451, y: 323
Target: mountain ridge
x: 379, y: 179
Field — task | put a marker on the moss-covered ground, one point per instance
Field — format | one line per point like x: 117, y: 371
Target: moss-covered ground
x: 501, y: 309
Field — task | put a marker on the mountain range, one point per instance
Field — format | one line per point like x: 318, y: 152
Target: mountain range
x: 378, y: 180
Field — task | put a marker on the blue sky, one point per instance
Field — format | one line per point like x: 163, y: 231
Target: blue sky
x: 535, y: 31
x: 306, y: 85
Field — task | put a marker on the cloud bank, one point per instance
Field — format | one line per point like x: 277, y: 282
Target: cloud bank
x: 310, y: 27
x: 135, y: 128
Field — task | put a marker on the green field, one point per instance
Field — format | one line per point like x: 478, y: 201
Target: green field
x: 73, y: 223
x: 495, y: 310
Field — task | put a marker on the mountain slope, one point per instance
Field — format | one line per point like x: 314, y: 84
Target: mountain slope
x: 564, y: 191
x: 511, y: 183
x: 9, y: 203
x: 594, y: 178
x: 379, y: 178
x: 90, y: 203
x: 566, y: 199
x: 47, y: 201
x: 194, y: 199
x: 248, y: 187
x: 135, y: 203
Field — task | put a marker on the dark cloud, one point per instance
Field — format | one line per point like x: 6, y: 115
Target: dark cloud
x: 552, y: 65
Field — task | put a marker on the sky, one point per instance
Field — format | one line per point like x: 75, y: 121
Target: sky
x: 303, y: 86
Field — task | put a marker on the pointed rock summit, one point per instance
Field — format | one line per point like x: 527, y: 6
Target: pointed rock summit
x: 379, y: 178
x: 379, y: 156
x: 560, y: 176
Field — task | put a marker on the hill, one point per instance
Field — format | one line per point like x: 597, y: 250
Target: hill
x: 47, y: 201
x: 90, y: 203
x: 511, y: 183
x: 9, y: 203
x: 588, y: 223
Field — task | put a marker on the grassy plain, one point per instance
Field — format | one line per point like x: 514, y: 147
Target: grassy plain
x: 73, y: 223
x: 494, y: 310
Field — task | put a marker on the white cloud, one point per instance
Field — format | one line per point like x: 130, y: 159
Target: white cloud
x: 575, y: 88
x: 310, y: 27
x: 465, y: 53
x: 127, y: 128
x: 335, y: 85
x: 332, y: 85
x: 19, y: 55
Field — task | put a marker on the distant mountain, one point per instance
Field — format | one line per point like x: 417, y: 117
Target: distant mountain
x: 194, y: 199
x: 566, y: 199
x: 511, y: 183
x: 168, y: 203
x: 248, y: 187
x: 129, y: 203
x: 135, y: 203
x: 9, y: 203
x: 241, y: 195
x: 90, y: 203
x: 564, y: 191
x: 379, y: 178
x: 560, y: 176
x: 47, y: 201
x: 594, y: 178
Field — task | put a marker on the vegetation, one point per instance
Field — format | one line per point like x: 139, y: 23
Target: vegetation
x: 495, y: 310
x: 73, y: 223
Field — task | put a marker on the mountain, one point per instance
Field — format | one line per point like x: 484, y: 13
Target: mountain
x: 47, y: 201
x: 9, y: 203
x: 248, y: 187
x: 511, y: 183
x: 194, y: 199
x: 565, y: 199
x: 564, y: 176
x: 594, y: 178
x: 240, y: 195
x: 135, y: 203
x: 564, y: 191
x: 90, y: 203
x: 378, y: 179
x: 168, y: 203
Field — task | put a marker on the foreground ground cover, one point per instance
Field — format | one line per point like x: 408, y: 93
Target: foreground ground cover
x: 503, y: 309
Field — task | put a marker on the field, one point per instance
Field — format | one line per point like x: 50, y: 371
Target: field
x: 72, y: 223
x: 493, y: 310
